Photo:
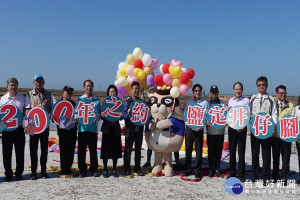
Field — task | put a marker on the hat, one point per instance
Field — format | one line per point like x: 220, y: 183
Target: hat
x: 38, y: 76
x: 214, y: 89
x: 68, y: 89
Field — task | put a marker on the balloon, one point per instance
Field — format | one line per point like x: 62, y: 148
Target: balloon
x: 118, y: 75
x: 127, y: 87
x: 149, y: 81
x: 148, y: 70
x: 129, y: 70
x: 139, y: 74
x: 138, y: 63
x: 167, y: 79
x: 176, y: 83
x: 123, y: 71
x: 137, y: 52
x: 154, y: 63
x: 184, y: 89
x: 121, y: 64
x: 175, y: 71
x: 147, y: 59
x: 121, y: 90
x: 184, y: 70
x: 191, y: 72
x: 121, y: 94
x: 122, y: 81
x: 116, y: 82
x: 130, y: 59
x: 158, y: 80
x: 164, y: 87
x: 176, y: 62
x: 190, y: 83
x: 160, y: 69
x: 145, y: 87
x: 165, y: 68
x: 132, y: 79
x: 184, y: 78
x: 175, y: 92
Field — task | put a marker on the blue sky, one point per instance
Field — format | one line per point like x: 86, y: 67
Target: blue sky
x: 68, y: 41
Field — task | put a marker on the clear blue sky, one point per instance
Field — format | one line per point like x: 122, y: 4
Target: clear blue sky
x: 68, y: 41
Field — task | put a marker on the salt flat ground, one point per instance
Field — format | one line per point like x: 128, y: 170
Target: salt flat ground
x: 146, y: 187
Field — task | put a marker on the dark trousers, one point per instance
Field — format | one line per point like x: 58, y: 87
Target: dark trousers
x: 67, y: 143
x: 89, y: 139
x: 237, y: 139
x: 33, y: 145
x: 191, y: 137
x: 266, y: 157
x: 9, y: 139
x: 131, y: 137
x: 298, y: 150
x: 284, y: 148
x: 215, y: 147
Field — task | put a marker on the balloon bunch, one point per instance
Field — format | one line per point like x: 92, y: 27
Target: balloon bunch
x: 174, y: 77
x: 138, y: 67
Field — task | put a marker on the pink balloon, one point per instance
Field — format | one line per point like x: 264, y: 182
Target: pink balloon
x: 167, y: 79
x: 176, y: 63
x: 184, y: 89
x: 154, y: 64
x: 149, y: 81
x: 133, y: 79
x: 129, y: 70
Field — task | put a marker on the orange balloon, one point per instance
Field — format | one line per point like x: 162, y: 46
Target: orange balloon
x: 176, y: 83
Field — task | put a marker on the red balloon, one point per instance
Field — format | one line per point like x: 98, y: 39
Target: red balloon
x: 165, y: 68
x: 184, y: 78
x: 191, y: 72
x: 158, y: 80
x: 138, y: 63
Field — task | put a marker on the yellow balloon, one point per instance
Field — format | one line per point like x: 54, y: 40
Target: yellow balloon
x: 148, y: 70
x: 139, y: 74
x: 190, y: 83
x: 118, y: 75
x: 130, y: 59
x: 123, y: 70
x: 164, y: 87
x: 127, y: 87
x: 176, y: 83
x: 146, y: 87
x: 175, y: 71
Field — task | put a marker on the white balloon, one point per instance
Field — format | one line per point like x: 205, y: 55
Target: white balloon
x: 147, y: 59
x: 121, y: 64
x: 175, y: 92
x: 137, y: 52
x: 116, y: 82
x: 184, y: 70
x: 122, y: 81
x: 160, y: 68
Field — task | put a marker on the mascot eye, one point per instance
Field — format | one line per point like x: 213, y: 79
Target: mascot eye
x: 153, y: 100
x: 167, y: 101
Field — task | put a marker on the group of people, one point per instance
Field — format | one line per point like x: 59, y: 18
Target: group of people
x: 111, y: 146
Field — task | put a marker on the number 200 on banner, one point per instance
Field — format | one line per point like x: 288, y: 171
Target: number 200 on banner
x: 40, y: 118
x: 11, y: 116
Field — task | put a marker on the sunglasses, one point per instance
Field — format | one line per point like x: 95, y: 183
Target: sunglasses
x: 261, y: 85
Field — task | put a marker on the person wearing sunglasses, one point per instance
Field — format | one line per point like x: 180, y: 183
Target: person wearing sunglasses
x: 262, y: 102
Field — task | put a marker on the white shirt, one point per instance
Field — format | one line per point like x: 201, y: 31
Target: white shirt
x: 18, y: 100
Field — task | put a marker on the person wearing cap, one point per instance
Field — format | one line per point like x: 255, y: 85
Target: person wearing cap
x: 262, y: 102
x: 88, y: 135
x: 237, y: 138
x: 14, y: 138
x: 39, y: 97
x: 194, y: 135
x: 215, y: 137
x: 67, y: 138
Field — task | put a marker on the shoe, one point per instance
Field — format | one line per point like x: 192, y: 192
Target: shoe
x: 147, y: 164
x: 7, y: 179
x: 45, y: 175
x: 198, y: 175
x: 231, y: 175
x: 127, y: 173
x: 254, y: 179
x: 33, y: 176
x: 81, y: 175
x: 187, y: 173
x: 115, y: 174
x: 95, y: 174
x: 241, y: 179
x: 139, y: 173
x: 211, y: 174
x: 19, y: 177
x: 219, y: 174
x: 298, y: 182
x: 106, y: 175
